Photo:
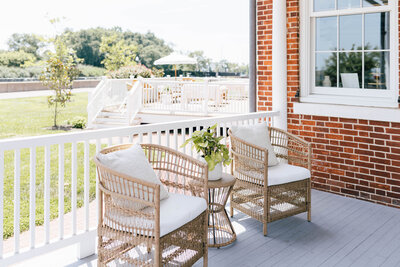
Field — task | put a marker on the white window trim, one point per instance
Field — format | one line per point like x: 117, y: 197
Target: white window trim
x: 371, y: 98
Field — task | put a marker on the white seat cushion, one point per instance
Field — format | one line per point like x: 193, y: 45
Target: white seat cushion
x: 175, y: 211
x: 285, y: 173
x: 258, y: 135
x: 132, y: 162
x: 281, y: 174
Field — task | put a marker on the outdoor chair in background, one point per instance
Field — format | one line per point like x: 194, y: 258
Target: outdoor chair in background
x: 272, y: 170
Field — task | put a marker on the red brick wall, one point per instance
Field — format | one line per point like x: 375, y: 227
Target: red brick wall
x: 352, y: 157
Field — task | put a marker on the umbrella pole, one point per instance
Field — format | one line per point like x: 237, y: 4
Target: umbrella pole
x: 175, y: 70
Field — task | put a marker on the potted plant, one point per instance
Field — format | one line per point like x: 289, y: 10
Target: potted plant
x: 208, y: 145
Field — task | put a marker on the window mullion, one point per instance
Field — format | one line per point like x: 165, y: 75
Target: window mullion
x: 337, y: 52
x: 362, y: 50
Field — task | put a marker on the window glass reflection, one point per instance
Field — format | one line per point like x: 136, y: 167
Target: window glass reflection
x: 376, y: 70
x: 350, y: 69
x: 367, y: 3
x: 326, y: 69
x: 326, y: 33
x: 350, y: 32
x: 323, y: 5
x: 376, y: 31
x: 345, y: 4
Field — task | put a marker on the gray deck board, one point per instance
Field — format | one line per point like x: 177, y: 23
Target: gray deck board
x: 343, y: 232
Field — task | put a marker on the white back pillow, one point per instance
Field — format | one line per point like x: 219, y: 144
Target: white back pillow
x: 132, y: 162
x: 258, y: 135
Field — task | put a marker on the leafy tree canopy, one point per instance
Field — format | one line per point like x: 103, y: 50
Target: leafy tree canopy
x: 29, y: 43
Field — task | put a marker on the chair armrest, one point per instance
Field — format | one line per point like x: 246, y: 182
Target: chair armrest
x: 181, y: 173
x: 289, y: 146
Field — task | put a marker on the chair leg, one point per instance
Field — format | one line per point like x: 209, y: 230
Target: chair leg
x: 231, y: 206
x: 265, y: 229
x: 309, y: 202
x: 205, y: 257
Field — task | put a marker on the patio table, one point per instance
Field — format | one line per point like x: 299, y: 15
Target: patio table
x: 220, y: 229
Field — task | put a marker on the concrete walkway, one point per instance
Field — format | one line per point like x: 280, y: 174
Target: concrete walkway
x: 38, y: 93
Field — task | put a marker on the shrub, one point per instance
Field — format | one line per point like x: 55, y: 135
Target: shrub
x: 90, y: 71
x: 77, y: 122
x: 16, y: 58
x: 130, y: 71
x: 15, y: 72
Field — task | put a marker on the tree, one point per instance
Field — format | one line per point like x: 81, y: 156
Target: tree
x: 59, y: 74
x: 203, y: 63
x: 29, y: 43
x: 16, y: 58
x: 117, y: 53
x: 87, y: 44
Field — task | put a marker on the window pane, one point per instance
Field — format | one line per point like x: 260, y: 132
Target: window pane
x: 322, y: 5
x: 376, y: 71
x: 350, y: 69
x: 375, y: 2
x: 326, y: 33
x: 376, y: 31
x: 326, y: 69
x: 344, y: 4
x: 350, y: 32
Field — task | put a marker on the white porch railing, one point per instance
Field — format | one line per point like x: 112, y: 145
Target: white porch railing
x: 203, y: 98
x: 109, y: 92
x: 169, y: 96
x: 27, y: 166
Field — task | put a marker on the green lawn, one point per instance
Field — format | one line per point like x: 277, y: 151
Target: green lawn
x: 31, y: 116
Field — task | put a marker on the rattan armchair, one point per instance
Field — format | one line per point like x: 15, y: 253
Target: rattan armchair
x: 270, y: 200
x: 139, y: 241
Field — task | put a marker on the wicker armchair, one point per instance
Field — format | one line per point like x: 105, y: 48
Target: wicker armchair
x: 284, y: 194
x: 138, y: 240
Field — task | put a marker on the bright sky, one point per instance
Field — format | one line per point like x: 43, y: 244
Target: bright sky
x: 218, y: 27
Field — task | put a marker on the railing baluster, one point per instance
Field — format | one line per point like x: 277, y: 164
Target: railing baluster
x: 190, y: 145
x: 17, y: 174
x: 61, y: 191
x: 167, y: 135
x: 183, y: 138
x: 86, y: 184
x: 159, y: 138
x: 32, y: 195
x: 98, y: 148
x: 150, y: 136
x: 47, y: 193
x: 1, y: 200
x: 176, y: 139
x: 74, y: 169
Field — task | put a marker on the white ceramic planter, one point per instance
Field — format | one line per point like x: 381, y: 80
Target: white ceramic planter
x: 215, y: 174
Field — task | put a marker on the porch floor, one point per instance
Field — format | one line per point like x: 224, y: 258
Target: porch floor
x: 343, y: 232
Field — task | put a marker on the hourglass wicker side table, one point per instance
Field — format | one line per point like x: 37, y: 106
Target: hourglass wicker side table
x: 220, y: 230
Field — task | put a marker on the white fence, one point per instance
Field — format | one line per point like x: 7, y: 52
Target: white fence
x: 206, y: 97
x: 217, y: 96
x: 59, y: 167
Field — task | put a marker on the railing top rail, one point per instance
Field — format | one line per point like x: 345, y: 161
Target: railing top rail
x: 26, y: 142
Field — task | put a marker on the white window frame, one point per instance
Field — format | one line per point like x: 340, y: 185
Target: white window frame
x: 346, y: 96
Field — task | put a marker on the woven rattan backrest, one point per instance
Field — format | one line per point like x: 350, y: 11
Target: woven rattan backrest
x: 124, y: 185
x: 176, y: 171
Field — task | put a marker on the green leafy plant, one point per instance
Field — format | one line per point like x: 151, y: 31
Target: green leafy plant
x: 208, y: 145
x: 77, y: 122
x: 59, y: 74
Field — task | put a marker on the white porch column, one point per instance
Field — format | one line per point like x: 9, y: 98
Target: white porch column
x: 279, y: 63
